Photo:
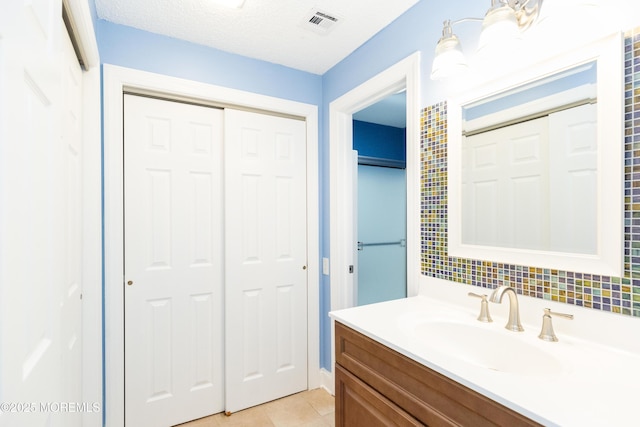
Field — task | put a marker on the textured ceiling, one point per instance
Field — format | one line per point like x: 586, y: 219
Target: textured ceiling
x: 271, y: 30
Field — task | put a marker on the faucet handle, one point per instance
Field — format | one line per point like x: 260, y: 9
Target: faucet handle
x: 547, y: 333
x: 484, y: 308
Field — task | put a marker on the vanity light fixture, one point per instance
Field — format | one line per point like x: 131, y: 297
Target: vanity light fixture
x: 504, y: 21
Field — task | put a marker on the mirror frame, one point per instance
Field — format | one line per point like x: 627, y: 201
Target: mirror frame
x: 608, y: 260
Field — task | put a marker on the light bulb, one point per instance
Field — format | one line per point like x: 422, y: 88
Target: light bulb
x: 449, y: 60
x: 499, y: 27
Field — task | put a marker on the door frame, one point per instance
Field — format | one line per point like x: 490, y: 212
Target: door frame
x: 405, y: 74
x: 83, y: 29
x: 116, y: 81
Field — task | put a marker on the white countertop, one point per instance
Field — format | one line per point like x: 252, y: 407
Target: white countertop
x: 594, y: 379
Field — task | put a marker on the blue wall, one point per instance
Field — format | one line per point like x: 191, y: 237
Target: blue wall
x: 373, y: 140
x: 417, y: 30
x: 142, y: 50
x: 382, y: 217
x: 133, y: 48
x: 382, y: 213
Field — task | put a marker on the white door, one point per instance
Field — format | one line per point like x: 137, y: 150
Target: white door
x: 173, y: 262
x: 573, y: 173
x: 39, y: 280
x: 71, y: 292
x: 505, y: 186
x: 265, y: 269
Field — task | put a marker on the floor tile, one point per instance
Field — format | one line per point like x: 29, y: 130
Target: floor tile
x: 321, y: 401
x: 330, y: 419
x: 292, y: 411
x: 313, y: 408
x: 251, y: 417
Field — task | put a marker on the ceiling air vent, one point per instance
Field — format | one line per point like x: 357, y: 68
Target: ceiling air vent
x: 320, y: 22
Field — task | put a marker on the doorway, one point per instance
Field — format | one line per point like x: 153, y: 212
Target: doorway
x: 379, y: 138
x: 117, y: 81
x: 343, y: 245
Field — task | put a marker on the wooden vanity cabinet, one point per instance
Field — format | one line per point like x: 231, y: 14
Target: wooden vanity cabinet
x: 377, y: 386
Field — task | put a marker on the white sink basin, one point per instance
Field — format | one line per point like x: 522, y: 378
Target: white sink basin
x: 488, y: 346
x: 587, y: 378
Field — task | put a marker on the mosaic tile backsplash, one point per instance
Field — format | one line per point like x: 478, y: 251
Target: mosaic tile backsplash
x: 614, y: 294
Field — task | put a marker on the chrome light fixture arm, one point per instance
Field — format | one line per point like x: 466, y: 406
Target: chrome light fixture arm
x: 449, y: 57
x: 526, y: 11
x: 447, y: 26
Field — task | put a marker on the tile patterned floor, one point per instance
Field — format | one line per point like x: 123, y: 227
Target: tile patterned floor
x: 313, y: 408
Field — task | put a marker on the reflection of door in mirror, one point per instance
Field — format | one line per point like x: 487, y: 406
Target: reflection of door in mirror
x: 520, y: 190
x: 571, y: 219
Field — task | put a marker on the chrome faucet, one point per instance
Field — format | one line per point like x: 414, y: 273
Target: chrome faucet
x: 514, y: 313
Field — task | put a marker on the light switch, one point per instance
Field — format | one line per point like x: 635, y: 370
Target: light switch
x: 325, y: 266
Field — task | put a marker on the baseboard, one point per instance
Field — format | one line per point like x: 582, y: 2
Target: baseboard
x: 326, y: 381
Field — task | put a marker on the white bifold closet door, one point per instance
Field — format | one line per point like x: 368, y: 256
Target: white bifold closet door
x: 215, y: 307
x: 266, y: 241
x: 173, y: 262
x: 530, y: 185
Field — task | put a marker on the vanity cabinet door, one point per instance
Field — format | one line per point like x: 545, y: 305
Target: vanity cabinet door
x: 407, y: 387
x: 357, y: 404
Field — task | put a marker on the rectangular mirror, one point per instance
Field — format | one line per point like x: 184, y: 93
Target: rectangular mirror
x: 535, y: 165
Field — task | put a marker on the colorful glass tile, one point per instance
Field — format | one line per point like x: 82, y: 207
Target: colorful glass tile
x: 614, y: 294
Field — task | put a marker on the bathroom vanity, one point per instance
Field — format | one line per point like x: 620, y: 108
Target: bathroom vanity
x: 427, y: 360
x: 377, y: 386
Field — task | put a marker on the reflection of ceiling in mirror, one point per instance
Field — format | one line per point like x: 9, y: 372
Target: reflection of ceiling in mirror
x: 576, y: 77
